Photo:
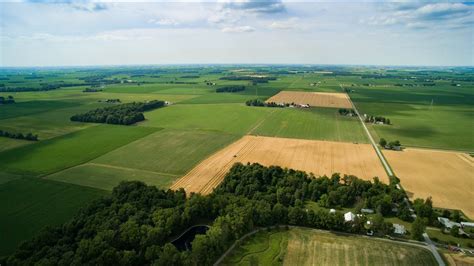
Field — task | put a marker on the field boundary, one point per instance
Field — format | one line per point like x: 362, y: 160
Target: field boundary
x: 414, y: 243
x: 385, y: 164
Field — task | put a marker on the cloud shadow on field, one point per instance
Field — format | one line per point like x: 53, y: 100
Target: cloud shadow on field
x: 418, y: 131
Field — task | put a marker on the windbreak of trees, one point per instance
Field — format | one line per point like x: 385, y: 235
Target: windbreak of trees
x: 92, y: 90
x: 123, y: 114
x: 375, y: 119
x: 258, y: 102
x: 8, y: 100
x: 231, y: 88
x: 28, y: 136
x: 135, y: 224
x: 346, y: 112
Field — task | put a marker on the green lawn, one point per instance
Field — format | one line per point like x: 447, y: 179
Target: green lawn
x: 304, y: 246
x: 106, y: 177
x: 263, y: 248
x: 230, y: 118
x: 168, y: 151
x: 29, y: 204
x: 55, y: 154
x: 313, y: 123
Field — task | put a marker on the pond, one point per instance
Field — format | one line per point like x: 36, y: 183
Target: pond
x: 183, y: 242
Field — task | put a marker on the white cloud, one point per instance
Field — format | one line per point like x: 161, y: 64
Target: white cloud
x: 289, y: 24
x: 238, y: 29
x: 164, y: 22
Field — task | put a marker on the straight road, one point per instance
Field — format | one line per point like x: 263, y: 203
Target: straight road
x: 377, y: 150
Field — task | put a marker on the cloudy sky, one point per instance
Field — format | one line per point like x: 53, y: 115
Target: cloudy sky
x: 70, y: 32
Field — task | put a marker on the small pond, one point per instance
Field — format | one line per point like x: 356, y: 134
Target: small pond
x: 183, y: 242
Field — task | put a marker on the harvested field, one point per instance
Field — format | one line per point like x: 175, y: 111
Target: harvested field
x: 446, y: 176
x: 318, y: 157
x: 313, y: 247
x: 321, y: 99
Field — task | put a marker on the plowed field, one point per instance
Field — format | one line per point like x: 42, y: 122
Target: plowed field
x: 321, y: 99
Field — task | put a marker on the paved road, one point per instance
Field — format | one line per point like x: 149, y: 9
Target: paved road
x: 377, y: 150
x: 432, y: 246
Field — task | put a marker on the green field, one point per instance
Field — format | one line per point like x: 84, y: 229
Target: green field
x: 228, y: 118
x: 29, y: 204
x: 303, y: 246
x: 69, y: 150
x: 106, y: 177
x: 168, y: 151
x: 313, y: 123
x: 445, y: 124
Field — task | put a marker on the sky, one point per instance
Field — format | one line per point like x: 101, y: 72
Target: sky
x: 83, y: 33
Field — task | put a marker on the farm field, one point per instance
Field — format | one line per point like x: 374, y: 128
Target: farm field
x: 438, y: 117
x: 107, y: 177
x: 318, y: 157
x: 312, y: 123
x: 29, y: 204
x: 168, y: 151
x: 318, y: 99
x: 55, y: 154
x: 303, y: 246
x: 446, y: 176
x: 228, y: 118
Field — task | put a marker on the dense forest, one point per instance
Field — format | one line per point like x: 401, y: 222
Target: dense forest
x: 231, y: 88
x: 8, y: 100
x: 123, y: 114
x: 135, y: 224
x: 27, y: 136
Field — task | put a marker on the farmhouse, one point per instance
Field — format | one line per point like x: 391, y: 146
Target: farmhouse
x: 399, y: 229
x: 448, y: 223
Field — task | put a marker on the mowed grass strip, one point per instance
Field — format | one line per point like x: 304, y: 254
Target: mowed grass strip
x: 106, y: 177
x: 263, y: 248
x: 29, y: 204
x: 229, y: 118
x: 313, y: 123
x: 52, y: 155
x: 168, y: 151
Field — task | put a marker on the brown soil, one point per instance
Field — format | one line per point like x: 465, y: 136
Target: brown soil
x: 322, y: 99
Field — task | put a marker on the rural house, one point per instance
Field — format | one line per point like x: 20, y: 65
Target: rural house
x: 349, y: 217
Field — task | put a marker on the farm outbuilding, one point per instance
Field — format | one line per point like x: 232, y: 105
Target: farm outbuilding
x: 448, y: 223
x: 399, y: 229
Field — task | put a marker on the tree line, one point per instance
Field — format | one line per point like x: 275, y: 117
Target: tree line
x: 347, y: 112
x: 135, y: 224
x: 123, y: 114
x: 8, y: 100
x: 390, y: 145
x: 375, y: 119
x: 27, y: 136
x: 231, y: 88
x: 258, y: 102
x: 92, y: 90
